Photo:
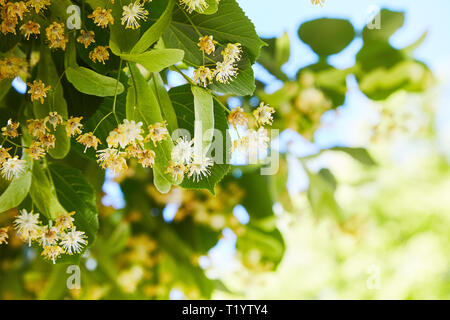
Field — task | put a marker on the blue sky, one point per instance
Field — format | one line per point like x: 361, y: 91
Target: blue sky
x: 272, y: 18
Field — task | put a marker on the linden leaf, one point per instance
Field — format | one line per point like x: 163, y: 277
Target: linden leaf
x: 90, y: 82
x: 157, y: 59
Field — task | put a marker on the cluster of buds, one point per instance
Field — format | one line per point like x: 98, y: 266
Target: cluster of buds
x: 13, y: 67
x: 224, y: 71
x: 43, y: 138
x: 11, y: 13
x: 255, y: 139
x: 55, y: 240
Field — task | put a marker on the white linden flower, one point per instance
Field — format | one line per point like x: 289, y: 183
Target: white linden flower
x: 225, y: 71
x: 129, y: 131
x: 191, y: 5
x: 73, y: 241
x: 263, y: 114
x: 257, y: 141
x: 112, y: 159
x: 232, y: 53
x: 132, y: 13
x: 183, y: 151
x: 27, y: 225
x: 200, y: 167
x: 13, y: 168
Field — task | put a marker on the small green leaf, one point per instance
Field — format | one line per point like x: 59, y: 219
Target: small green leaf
x: 165, y: 104
x: 90, y: 82
x: 18, y: 189
x: 152, y: 34
x: 157, y: 59
x: 327, y: 36
x: 204, y: 119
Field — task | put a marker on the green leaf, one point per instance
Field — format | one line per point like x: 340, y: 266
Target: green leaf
x: 183, y: 102
x: 152, y: 34
x: 168, y: 112
x: 359, y: 154
x: 54, y: 102
x: 268, y: 243
x: 142, y: 105
x: 18, y: 189
x: 327, y: 36
x: 321, y: 190
x: 376, y: 54
x: 76, y: 194
x: 382, y: 82
x: 43, y: 193
x: 157, y: 59
x: 391, y: 21
x: 257, y: 200
x: 90, y: 82
x: 204, y: 119
x: 275, y: 55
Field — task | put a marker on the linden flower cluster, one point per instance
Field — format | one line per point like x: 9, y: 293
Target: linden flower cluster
x: 255, y: 140
x: 60, y: 238
x: 43, y: 138
x: 225, y: 71
x: 127, y: 141
x: 13, y: 12
x: 186, y: 159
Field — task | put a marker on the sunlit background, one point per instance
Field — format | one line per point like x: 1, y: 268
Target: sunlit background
x: 396, y: 244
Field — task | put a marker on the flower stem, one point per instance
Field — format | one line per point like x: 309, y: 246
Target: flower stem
x: 115, y: 93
